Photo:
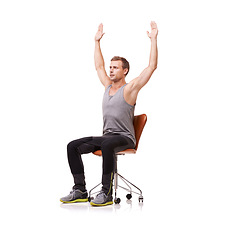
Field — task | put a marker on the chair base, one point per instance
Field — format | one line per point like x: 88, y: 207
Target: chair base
x: 128, y: 187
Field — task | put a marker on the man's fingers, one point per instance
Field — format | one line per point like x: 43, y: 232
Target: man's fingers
x: 100, y: 27
x: 153, y: 25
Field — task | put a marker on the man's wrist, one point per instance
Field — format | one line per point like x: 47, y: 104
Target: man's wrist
x: 154, y: 39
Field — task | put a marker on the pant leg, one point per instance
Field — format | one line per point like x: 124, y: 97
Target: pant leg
x: 74, y: 151
x: 110, y: 146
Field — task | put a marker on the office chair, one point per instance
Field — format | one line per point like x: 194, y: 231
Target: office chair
x: 138, y: 123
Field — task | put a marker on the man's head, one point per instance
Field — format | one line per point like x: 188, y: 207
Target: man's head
x: 119, y: 68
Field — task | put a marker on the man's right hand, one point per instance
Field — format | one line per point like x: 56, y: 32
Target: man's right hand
x: 99, y: 33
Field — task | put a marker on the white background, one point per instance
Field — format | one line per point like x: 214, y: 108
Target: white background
x: 188, y: 159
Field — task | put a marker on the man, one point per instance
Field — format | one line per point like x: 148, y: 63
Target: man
x: 118, y: 111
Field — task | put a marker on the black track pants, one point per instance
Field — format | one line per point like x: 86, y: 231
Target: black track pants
x: 109, y: 144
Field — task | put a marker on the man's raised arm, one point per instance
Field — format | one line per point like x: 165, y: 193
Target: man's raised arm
x: 143, y: 78
x: 153, y: 60
x: 98, y: 58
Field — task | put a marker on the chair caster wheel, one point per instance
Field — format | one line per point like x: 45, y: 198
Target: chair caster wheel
x: 140, y: 199
x: 117, y: 201
x: 129, y: 196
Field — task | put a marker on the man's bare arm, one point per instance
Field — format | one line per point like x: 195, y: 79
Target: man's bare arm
x: 143, y: 78
x: 98, y: 58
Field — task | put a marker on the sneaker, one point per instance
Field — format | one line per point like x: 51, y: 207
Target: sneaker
x: 102, y: 200
x: 75, y: 195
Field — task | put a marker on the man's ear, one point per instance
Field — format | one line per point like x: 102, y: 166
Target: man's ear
x: 125, y: 71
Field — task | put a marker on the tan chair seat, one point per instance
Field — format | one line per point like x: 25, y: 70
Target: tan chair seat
x: 127, y: 151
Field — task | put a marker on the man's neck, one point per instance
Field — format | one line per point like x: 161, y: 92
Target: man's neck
x: 118, y: 84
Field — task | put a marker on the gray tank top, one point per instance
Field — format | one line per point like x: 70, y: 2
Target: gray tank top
x: 118, y: 114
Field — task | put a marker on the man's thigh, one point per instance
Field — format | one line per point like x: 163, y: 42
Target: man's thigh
x: 90, y: 144
x: 118, y: 143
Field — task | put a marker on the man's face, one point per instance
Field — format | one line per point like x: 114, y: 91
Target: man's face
x: 116, y: 71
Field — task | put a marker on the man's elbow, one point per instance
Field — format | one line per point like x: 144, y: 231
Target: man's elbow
x: 153, y: 67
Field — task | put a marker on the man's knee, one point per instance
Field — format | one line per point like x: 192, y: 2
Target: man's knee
x: 78, y: 145
x: 72, y: 146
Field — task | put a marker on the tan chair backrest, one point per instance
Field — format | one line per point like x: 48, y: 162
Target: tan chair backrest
x: 139, y: 122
